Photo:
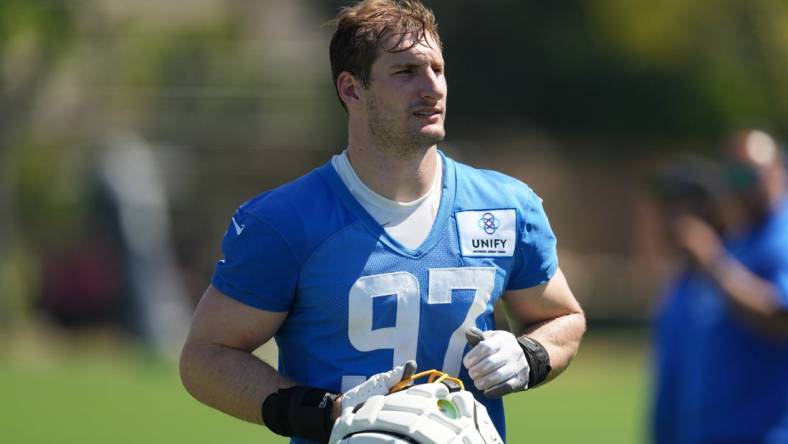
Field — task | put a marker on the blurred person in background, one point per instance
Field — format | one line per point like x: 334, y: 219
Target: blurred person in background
x: 120, y: 271
x: 390, y: 252
x: 722, y: 334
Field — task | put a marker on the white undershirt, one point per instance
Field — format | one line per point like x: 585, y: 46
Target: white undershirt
x: 408, y: 222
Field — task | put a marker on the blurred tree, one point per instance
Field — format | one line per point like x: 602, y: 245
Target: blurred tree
x: 33, y: 36
x: 616, y: 67
x: 217, y: 87
x: 733, y: 54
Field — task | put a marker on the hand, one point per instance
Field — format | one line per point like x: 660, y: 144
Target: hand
x: 496, y: 363
x: 379, y: 384
x: 699, y: 240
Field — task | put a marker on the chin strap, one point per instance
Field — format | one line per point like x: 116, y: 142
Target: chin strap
x: 451, y: 382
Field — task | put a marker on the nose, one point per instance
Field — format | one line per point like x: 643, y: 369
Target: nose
x: 433, y: 86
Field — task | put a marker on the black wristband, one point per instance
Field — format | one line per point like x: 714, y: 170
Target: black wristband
x: 300, y: 411
x: 538, y: 360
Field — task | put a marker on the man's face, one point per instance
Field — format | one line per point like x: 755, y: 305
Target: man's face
x: 405, y: 101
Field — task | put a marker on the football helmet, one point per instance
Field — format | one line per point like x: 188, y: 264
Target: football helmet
x: 440, y: 411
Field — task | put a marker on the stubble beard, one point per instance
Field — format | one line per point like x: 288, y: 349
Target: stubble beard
x: 397, y: 139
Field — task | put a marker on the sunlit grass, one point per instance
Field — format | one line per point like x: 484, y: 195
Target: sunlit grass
x: 96, y: 389
x: 601, y: 398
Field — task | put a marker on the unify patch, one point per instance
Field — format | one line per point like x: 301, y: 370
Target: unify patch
x: 487, y: 232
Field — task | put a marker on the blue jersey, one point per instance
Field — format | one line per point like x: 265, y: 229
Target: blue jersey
x: 718, y: 380
x: 359, y: 302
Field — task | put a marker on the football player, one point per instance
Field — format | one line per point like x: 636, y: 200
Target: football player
x: 390, y: 252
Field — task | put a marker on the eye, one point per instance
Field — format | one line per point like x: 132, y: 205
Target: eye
x: 406, y: 70
x: 437, y: 69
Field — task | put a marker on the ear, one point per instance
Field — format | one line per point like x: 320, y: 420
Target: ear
x: 350, y: 89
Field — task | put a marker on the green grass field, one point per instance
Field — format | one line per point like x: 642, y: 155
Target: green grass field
x: 100, y: 391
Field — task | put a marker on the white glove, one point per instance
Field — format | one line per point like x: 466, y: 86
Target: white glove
x: 378, y: 384
x: 496, y: 364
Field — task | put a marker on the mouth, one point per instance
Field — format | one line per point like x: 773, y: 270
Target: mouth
x: 428, y: 113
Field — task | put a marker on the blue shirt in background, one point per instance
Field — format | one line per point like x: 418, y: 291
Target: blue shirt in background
x: 718, y: 380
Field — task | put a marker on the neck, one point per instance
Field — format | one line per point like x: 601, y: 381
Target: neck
x: 393, y: 175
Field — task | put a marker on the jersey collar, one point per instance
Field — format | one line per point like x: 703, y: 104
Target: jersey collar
x: 439, y: 228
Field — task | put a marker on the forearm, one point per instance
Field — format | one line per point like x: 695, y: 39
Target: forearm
x: 231, y: 380
x: 743, y: 287
x: 561, y: 338
x: 756, y: 299
x: 753, y: 297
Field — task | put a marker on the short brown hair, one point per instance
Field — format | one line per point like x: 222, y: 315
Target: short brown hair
x: 362, y: 28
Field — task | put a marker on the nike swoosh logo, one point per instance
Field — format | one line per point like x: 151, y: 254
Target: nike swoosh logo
x: 238, y: 228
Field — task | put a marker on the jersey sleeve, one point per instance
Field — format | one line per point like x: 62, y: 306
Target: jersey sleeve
x: 536, y: 259
x: 259, y: 267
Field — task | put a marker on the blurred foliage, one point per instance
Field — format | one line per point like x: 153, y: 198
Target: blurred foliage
x: 734, y: 54
x: 32, y: 29
x: 19, y: 281
x: 47, y: 21
x: 599, y: 67
x: 49, y: 192
x: 618, y: 67
x: 32, y: 34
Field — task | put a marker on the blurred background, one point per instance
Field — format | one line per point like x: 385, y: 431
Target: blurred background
x: 130, y: 131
